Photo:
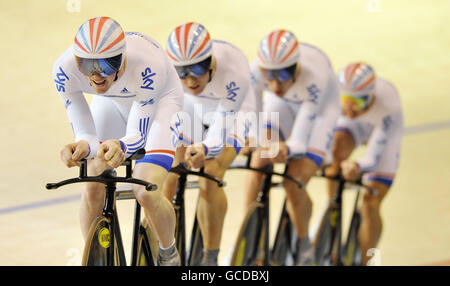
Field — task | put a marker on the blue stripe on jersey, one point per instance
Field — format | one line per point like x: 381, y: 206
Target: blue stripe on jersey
x: 118, y: 96
x: 317, y: 159
x: 158, y: 159
x: 122, y: 146
x: 135, y: 148
x: 214, y: 153
x: 137, y: 143
x: 235, y: 143
x: 386, y: 181
x: 270, y: 126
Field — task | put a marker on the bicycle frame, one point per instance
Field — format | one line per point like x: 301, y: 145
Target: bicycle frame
x: 263, y: 198
x: 335, y: 249
x: 178, y: 202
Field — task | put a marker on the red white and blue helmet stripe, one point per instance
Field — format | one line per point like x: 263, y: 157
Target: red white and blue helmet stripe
x: 99, y: 38
x: 189, y: 44
x: 357, y: 79
x: 279, y: 49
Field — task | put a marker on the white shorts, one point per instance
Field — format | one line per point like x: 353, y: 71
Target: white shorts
x: 388, y: 164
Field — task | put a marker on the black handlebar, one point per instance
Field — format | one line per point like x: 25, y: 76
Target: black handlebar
x: 108, y: 177
x: 181, y: 169
x: 339, y: 178
x: 268, y: 170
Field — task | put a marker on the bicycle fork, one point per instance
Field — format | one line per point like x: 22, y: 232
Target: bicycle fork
x: 180, y: 228
x: 336, y: 227
x: 263, y: 198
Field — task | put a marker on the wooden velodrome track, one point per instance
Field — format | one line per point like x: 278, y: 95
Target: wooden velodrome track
x: 407, y: 42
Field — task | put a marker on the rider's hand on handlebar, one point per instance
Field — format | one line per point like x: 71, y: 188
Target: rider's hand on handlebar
x: 250, y: 146
x: 332, y: 170
x: 111, y: 152
x: 195, y: 156
x: 278, y: 152
x: 350, y: 170
x: 72, y: 153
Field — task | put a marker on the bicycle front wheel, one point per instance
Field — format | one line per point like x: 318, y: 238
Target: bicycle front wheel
x: 97, y: 251
x: 323, y: 240
x: 196, y: 249
x: 147, y: 246
x: 250, y: 242
x: 285, y: 246
x: 351, y: 251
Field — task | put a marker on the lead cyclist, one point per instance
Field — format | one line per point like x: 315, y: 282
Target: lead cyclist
x: 137, y: 95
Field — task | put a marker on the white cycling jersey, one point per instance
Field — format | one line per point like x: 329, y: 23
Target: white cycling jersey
x: 216, y: 107
x: 140, y: 108
x: 307, y: 112
x: 381, y: 127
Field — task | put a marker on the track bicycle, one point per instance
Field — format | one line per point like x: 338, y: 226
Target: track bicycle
x: 194, y: 255
x: 252, y: 244
x: 329, y: 248
x: 104, y: 245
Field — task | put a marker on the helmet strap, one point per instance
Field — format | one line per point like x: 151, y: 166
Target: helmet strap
x: 210, y: 75
x: 115, y: 78
x: 298, y: 70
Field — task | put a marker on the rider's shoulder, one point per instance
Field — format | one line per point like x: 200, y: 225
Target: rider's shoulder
x: 314, y: 59
x: 231, y: 61
x: 65, y: 62
x: 387, y: 96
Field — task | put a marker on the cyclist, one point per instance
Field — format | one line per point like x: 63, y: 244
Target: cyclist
x: 372, y: 115
x: 216, y: 78
x: 300, y: 86
x: 136, y: 97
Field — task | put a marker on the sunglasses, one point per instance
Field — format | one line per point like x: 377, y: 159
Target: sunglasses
x: 196, y: 70
x: 282, y: 75
x: 104, y: 67
x: 358, y: 102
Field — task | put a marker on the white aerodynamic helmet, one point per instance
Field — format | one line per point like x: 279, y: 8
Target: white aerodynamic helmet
x: 279, y: 49
x: 357, y: 79
x: 99, y: 38
x: 188, y: 44
x: 99, y: 46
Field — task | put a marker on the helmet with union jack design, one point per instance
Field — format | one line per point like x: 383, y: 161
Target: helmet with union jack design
x: 99, y: 38
x: 357, y: 79
x: 357, y: 84
x: 99, y: 46
x: 278, y: 49
x: 188, y: 44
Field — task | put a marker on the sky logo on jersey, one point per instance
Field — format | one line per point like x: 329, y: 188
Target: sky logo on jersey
x: 313, y: 92
x: 147, y: 78
x: 175, y: 128
x: 387, y: 122
x: 253, y: 79
x: 231, y: 91
x: 60, y: 79
x: 146, y: 102
x: 329, y: 140
x: 67, y: 103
